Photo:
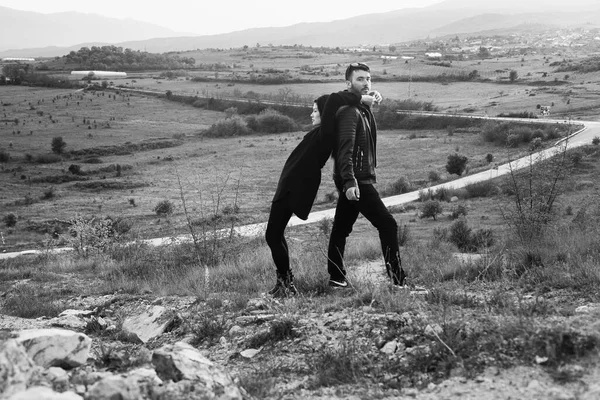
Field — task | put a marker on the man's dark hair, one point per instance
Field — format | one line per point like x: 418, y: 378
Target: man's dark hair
x: 354, y: 67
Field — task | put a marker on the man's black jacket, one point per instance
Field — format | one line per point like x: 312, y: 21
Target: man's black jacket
x: 301, y: 175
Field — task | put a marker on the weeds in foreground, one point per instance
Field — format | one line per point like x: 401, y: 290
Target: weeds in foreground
x: 340, y: 365
x: 208, y: 329
x: 32, y: 302
x: 280, y: 329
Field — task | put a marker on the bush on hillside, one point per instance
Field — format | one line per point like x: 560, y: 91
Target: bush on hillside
x: 164, y: 208
x: 234, y: 126
x: 456, y: 164
x: 431, y: 209
x: 271, y: 121
x: 482, y: 189
x: 10, y: 220
x: 47, y: 158
x: 4, y: 156
x: 399, y: 186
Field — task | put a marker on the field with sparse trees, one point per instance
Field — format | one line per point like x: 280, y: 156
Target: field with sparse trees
x: 504, y: 274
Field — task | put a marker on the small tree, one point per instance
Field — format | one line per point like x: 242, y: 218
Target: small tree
x: 461, y: 235
x: 456, y: 164
x: 164, y: 208
x: 58, y: 145
x: 10, y: 220
x: 75, y: 169
x: 431, y: 209
x: 513, y: 75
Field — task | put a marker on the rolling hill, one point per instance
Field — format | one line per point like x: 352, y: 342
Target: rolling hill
x: 449, y: 17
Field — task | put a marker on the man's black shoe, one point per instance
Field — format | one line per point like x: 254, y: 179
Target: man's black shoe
x: 338, y: 283
x: 284, y: 287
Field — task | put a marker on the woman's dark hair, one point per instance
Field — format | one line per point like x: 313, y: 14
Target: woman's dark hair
x: 320, y: 101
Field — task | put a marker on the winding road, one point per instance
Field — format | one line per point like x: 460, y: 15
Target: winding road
x: 590, y: 130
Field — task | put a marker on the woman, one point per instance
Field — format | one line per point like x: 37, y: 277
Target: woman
x: 300, y: 180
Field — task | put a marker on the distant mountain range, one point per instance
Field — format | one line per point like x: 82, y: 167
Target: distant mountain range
x: 25, y: 29
x: 44, y: 33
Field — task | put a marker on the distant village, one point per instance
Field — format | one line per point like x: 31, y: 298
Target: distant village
x: 562, y: 42
x: 464, y: 46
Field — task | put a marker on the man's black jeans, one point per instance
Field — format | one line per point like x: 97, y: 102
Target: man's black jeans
x: 373, y: 209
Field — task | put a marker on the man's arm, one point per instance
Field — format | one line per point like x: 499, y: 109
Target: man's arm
x: 347, y: 122
x: 334, y: 102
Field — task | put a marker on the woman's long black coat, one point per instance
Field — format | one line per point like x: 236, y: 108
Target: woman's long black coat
x: 301, y: 174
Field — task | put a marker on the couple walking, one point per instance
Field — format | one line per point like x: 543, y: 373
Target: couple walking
x: 343, y: 127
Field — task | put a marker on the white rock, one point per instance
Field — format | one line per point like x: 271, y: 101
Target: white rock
x: 249, y: 353
x: 149, y: 323
x: 181, y: 361
x: 77, y: 313
x: 236, y: 330
x: 390, y: 347
x: 145, y: 375
x: 54, y: 377
x: 433, y: 329
x: 44, y: 393
x: 114, y: 387
x: 593, y: 393
x: 73, y: 322
x: 55, y: 347
x: 15, y: 367
x: 534, y: 385
x: 587, y: 309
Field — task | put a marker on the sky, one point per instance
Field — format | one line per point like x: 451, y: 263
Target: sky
x: 204, y: 17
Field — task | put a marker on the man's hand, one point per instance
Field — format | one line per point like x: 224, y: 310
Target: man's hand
x: 367, y: 99
x: 376, y: 96
x: 353, y: 194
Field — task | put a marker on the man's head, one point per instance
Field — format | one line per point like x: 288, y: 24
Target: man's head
x: 358, y: 78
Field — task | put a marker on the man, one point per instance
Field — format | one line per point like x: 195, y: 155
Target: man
x: 355, y: 159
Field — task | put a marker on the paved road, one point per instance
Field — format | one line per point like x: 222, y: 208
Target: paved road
x: 582, y: 137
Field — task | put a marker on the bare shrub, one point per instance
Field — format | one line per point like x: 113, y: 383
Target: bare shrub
x: 534, y: 191
x: 403, y: 235
x: 92, y: 235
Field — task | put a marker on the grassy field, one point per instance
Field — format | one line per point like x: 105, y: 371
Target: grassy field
x: 105, y: 133
x: 514, y: 305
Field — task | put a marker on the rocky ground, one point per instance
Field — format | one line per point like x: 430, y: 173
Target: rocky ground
x: 147, y: 347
